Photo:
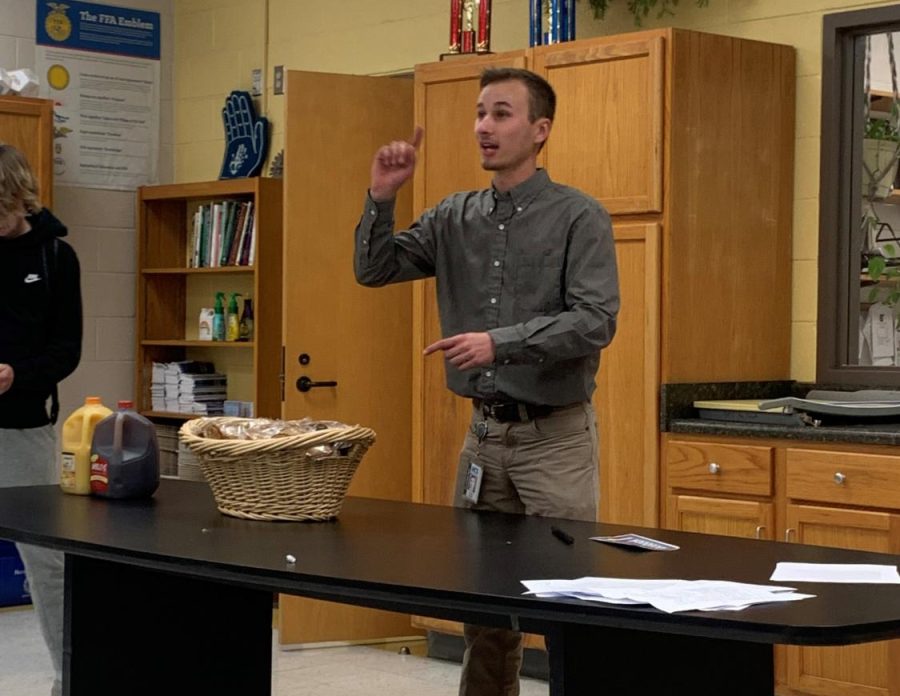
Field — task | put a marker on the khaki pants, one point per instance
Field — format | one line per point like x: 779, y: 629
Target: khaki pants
x: 547, y: 467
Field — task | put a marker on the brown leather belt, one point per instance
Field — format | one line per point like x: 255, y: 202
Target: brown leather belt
x: 512, y: 411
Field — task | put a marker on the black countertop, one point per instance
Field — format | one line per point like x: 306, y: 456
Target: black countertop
x: 678, y: 415
x: 882, y: 434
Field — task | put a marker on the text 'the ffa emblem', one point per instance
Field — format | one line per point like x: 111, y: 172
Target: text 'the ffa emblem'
x: 57, y: 25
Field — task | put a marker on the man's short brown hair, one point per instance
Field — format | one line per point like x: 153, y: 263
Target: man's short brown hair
x: 541, y: 97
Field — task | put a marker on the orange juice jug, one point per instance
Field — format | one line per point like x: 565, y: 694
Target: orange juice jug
x: 77, y: 433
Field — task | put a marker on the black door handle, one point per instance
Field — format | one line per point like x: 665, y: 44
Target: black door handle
x: 304, y: 384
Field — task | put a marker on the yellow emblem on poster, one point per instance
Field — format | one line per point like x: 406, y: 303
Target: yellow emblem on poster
x: 57, y: 24
x: 57, y: 76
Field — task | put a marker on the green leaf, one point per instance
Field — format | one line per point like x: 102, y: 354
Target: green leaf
x: 876, y: 267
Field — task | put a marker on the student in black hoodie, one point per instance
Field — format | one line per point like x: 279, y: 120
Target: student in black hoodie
x: 40, y: 344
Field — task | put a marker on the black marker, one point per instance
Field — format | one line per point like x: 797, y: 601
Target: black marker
x: 564, y: 537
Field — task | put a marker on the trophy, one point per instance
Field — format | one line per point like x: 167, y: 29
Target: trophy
x: 483, y: 44
x: 470, y: 26
x: 551, y: 21
x: 455, y: 26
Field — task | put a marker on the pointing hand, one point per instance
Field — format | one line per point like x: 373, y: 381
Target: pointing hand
x: 393, y: 165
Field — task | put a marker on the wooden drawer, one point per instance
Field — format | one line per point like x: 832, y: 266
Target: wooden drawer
x: 719, y: 468
x: 871, y: 480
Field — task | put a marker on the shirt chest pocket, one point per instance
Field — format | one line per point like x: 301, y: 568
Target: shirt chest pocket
x: 538, y: 283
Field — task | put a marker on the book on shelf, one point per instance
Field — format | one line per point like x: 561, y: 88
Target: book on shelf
x: 216, y: 235
x: 200, y: 381
x: 251, y: 247
x: 172, y: 371
x: 221, y: 234
x: 245, y: 218
x: 204, y: 408
x: 187, y: 386
x: 190, y: 399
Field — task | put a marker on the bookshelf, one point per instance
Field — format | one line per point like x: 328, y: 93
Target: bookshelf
x: 171, y: 290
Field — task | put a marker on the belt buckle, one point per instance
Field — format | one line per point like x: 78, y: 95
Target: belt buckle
x: 495, y: 411
x: 508, y: 412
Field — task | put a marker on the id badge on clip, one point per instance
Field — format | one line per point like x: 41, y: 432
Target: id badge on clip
x: 473, y: 482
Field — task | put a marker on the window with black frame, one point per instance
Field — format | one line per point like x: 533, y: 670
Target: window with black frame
x: 859, y: 225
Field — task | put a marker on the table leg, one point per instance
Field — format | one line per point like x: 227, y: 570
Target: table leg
x: 594, y: 661
x: 136, y: 631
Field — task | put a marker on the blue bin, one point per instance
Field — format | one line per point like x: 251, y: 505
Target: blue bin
x: 13, y: 584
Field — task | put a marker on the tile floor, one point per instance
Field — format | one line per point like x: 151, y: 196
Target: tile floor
x: 25, y: 668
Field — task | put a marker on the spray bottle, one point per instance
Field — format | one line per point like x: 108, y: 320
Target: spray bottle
x: 218, y: 325
x: 245, y: 329
x: 232, y: 324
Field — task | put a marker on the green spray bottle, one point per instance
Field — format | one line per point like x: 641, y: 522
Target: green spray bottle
x: 232, y: 325
x: 218, y: 324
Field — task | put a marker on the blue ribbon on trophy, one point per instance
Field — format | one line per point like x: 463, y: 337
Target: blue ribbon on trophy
x: 551, y: 21
x: 246, y: 137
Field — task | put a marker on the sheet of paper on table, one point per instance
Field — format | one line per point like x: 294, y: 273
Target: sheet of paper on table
x: 836, y: 572
x: 666, y: 595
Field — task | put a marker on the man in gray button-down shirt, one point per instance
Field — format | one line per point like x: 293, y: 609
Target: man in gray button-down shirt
x: 528, y: 296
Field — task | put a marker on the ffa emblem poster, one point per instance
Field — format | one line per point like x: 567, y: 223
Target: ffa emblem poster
x: 100, y: 66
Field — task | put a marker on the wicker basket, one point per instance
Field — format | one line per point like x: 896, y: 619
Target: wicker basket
x: 274, y: 479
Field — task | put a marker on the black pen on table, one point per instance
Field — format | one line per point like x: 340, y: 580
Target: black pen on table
x: 564, y: 537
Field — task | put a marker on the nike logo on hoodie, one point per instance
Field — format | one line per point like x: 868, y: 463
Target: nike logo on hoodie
x: 32, y: 278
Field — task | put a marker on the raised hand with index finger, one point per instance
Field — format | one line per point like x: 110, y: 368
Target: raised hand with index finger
x: 393, y: 165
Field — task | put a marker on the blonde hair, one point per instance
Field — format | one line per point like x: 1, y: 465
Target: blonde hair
x: 18, y: 185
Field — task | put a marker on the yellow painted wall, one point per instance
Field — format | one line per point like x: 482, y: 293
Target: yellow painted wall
x: 219, y: 42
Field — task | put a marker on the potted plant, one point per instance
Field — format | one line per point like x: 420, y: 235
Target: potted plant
x: 880, y: 152
x: 641, y: 8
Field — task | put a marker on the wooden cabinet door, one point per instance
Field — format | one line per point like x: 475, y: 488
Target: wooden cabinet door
x: 445, y: 99
x: 730, y: 517
x: 607, y: 137
x: 27, y: 124
x: 335, y: 329
x: 626, y: 397
x: 872, y: 669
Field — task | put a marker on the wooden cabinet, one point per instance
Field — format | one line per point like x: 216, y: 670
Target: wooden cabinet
x: 619, y: 139
x: 730, y: 488
x: 824, y: 494
x: 27, y: 124
x: 687, y: 139
x: 170, y: 293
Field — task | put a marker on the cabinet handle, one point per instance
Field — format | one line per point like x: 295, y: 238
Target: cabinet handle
x: 788, y: 532
x: 304, y: 384
x: 839, y: 478
x: 759, y: 531
x: 714, y: 468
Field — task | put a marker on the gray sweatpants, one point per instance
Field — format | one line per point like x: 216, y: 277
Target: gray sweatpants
x: 27, y: 458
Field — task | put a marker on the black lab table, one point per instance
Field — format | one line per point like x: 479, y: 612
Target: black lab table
x: 169, y: 596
